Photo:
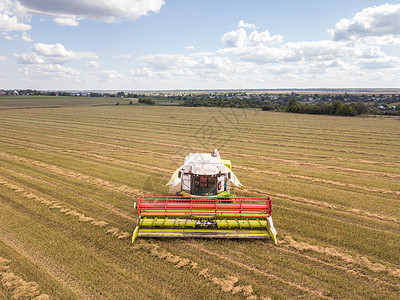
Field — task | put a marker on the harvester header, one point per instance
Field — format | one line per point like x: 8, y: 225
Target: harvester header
x: 205, y: 205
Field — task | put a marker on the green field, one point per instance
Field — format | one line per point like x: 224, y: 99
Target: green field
x: 70, y: 173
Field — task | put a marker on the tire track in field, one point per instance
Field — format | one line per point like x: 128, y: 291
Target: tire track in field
x: 336, y: 183
x: 233, y: 154
x: 115, y: 210
x: 166, y: 171
x: 306, y: 201
x: 56, y: 271
x: 228, y: 284
x: 347, y: 258
x: 52, y: 204
x: 153, y: 249
x: 257, y: 149
x: 86, y: 154
x: 324, y: 167
x: 346, y: 268
x: 16, y: 286
x: 320, y: 180
x: 302, y: 200
x: 115, y: 231
x: 258, y: 142
x: 242, y: 147
x: 124, y: 189
x: 337, y: 207
x: 230, y: 131
x: 319, y: 293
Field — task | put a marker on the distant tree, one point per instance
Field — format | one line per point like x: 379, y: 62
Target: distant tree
x: 267, y: 106
x: 361, y: 108
x: 148, y: 101
x: 295, y: 106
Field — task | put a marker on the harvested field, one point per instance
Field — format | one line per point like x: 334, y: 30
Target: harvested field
x: 69, y: 176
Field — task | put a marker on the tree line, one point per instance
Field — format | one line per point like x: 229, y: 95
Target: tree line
x: 335, y: 107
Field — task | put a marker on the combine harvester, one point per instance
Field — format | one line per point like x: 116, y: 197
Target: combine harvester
x: 205, y: 206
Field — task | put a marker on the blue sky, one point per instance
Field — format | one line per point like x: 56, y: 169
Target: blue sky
x: 171, y: 44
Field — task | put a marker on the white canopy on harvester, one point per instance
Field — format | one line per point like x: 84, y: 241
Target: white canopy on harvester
x: 204, y: 164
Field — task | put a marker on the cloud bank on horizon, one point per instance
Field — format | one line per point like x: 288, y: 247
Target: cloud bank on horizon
x: 360, y: 51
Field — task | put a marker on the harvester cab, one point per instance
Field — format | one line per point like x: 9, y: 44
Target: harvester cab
x: 205, y: 206
x: 204, y: 174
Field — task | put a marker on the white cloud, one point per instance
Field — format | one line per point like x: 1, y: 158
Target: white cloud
x: 168, y: 61
x: 92, y: 63
x: 8, y: 23
x: 264, y: 37
x: 242, y: 24
x: 56, y: 51
x: 68, y: 12
x: 378, y: 21
x: 109, y: 75
x: 26, y: 37
x: 3, y: 58
x: 51, y: 71
x: 67, y: 20
x: 196, y: 67
x: 235, y: 38
x: 8, y: 37
x: 122, y: 56
x: 28, y: 58
x: 251, y: 58
x: 51, y: 54
x: 239, y: 38
x: 15, y: 37
x: 380, y: 63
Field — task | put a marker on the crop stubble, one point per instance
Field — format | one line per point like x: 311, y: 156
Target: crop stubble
x: 102, y: 158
